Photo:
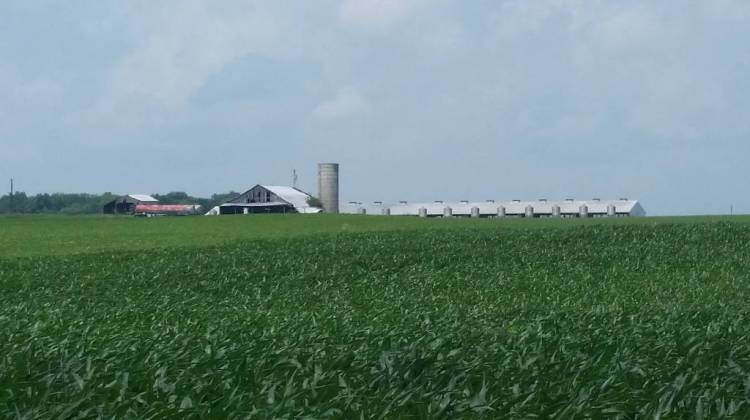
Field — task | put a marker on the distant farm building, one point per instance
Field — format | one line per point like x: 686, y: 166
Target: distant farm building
x: 267, y: 199
x: 166, y: 209
x: 569, y: 208
x: 126, y: 204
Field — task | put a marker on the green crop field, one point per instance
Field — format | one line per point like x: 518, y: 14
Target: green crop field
x: 22, y: 236
x: 371, y: 317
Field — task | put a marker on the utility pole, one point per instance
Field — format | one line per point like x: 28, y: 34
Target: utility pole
x: 11, y: 196
x: 294, y: 178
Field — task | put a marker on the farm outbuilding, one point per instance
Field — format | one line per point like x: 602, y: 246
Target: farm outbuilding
x: 569, y: 208
x: 166, y: 209
x: 267, y: 199
x: 126, y: 204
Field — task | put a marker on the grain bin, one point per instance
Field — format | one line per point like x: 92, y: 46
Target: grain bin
x: 328, y: 186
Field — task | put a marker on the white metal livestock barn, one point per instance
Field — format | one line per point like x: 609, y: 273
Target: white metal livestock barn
x: 267, y: 199
x: 515, y: 208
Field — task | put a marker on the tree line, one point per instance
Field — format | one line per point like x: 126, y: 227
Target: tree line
x: 83, y: 203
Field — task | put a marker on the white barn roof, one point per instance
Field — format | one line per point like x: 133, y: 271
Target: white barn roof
x: 143, y: 198
x: 291, y: 195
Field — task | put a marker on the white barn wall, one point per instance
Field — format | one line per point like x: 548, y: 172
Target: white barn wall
x: 514, y: 208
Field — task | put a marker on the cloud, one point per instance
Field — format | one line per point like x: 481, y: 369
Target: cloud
x: 727, y: 10
x: 377, y: 14
x: 634, y: 27
x: 446, y: 40
x: 28, y: 99
x: 180, y: 45
x: 347, y: 103
x: 516, y: 18
x: 610, y: 25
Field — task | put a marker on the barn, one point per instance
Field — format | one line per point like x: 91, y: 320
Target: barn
x: 166, y: 209
x: 268, y: 199
x: 126, y: 204
x: 568, y: 208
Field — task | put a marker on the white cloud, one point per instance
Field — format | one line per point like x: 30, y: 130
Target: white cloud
x: 516, y: 18
x: 608, y: 24
x: 445, y: 40
x: 377, y: 14
x: 727, y: 10
x: 181, y: 46
x: 627, y: 28
x: 28, y: 99
x: 345, y: 104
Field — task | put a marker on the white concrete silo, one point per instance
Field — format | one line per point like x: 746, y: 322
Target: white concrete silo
x: 328, y: 186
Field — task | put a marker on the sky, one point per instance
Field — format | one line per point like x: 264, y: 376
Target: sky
x: 416, y: 99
